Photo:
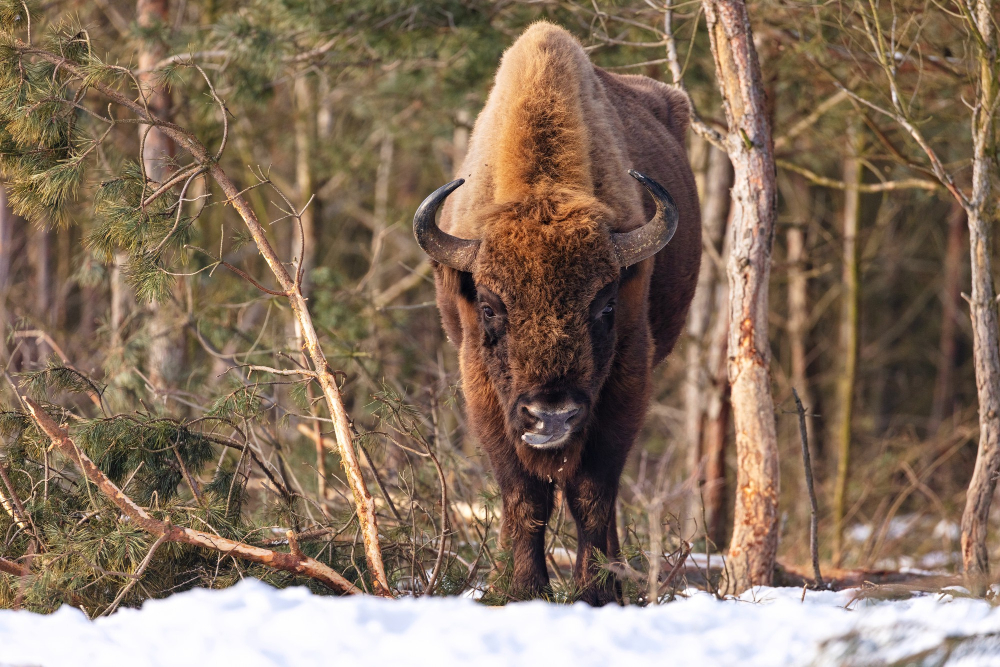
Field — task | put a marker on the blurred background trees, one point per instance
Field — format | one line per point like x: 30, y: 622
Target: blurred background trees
x: 355, y: 111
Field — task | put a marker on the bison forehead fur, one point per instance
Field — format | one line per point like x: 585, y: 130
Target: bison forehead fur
x: 547, y: 266
x: 555, y: 338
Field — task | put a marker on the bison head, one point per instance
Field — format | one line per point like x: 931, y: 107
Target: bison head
x: 544, y: 281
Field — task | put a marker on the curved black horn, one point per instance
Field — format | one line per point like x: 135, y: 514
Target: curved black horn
x: 440, y: 246
x: 634, y: 246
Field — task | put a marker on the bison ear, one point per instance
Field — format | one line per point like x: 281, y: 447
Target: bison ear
x: 634, y: 246
x: 441, y: 246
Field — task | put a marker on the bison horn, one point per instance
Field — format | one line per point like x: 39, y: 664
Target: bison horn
x: 634, y: 246
x: 440, y: 246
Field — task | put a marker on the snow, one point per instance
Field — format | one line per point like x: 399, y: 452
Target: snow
x: 254, y: 625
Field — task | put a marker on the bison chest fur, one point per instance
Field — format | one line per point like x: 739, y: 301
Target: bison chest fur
x: 562, y: 283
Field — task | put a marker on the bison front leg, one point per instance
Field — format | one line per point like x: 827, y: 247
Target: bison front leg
x: 527, y: 504
x: 592, y: 502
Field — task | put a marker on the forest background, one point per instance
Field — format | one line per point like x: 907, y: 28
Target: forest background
x: 145, y: 319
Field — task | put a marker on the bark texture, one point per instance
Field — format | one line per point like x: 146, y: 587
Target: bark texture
x: 755, y: 528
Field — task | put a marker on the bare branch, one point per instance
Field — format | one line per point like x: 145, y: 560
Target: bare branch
x: 904, y: 184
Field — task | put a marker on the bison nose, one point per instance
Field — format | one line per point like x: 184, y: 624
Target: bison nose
x: 552, y: 425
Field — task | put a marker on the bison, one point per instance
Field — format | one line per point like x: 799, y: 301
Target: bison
x: 556, y: 284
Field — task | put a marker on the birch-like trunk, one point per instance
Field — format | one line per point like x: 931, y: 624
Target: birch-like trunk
x: 165, y: 353
x: 980, y: 213
x: 754, y: 545
x: 848, y: 334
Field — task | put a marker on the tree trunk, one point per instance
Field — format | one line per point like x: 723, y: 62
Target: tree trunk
x: 38, y: 255
x: 980, y: 212
x: 122, y: 297
x: 65, y: 239
x: 167, y: 339
x: 799, y: 200
x: 951, y: 299
x: 717, y: 414
x: 754, y: 543
x: 41, y: 268
x: 6, y: 239
x: 848, y: 348
x: 304, y: 241
x: 703, y: 397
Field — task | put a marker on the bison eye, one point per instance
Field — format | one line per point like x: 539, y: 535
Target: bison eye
x: 608, y: 309
x: 488, y: 312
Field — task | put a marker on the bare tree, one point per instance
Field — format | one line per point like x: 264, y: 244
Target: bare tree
x: 979, y: 208
x: 754, y: 543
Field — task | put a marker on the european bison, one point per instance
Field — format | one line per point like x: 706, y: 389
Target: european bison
x: 556, y: 284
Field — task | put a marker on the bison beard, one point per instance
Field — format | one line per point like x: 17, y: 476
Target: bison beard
x: 555, y: 281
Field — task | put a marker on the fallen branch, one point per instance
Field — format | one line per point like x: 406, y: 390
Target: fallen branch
x: 290, y: 562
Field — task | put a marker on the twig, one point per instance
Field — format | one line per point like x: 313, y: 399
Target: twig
x: 280, y: 371
x: 138, y: 574
x: 700, y: 127
x: 13, y: 504
x: 807, y: 463
x: 685, y: 551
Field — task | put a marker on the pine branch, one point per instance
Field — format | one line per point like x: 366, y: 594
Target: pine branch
x: 290, y: 562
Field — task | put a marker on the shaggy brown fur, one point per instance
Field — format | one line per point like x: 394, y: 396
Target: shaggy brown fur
x: 547, y: 183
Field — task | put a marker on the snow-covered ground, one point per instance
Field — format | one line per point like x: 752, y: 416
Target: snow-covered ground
x: 252, y: 624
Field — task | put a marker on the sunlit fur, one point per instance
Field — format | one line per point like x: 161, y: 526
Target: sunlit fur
x: 547, y: 183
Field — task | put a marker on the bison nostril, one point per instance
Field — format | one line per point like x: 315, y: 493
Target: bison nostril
x: 549, y: 418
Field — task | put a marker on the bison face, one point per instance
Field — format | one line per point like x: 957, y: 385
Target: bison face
x: 540, y: 293
x: 542, y: 323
